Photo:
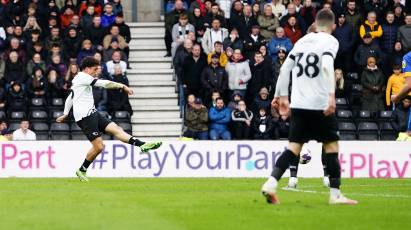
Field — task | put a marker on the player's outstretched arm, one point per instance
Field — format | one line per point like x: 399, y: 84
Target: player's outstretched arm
x: 113, y: 85
x: 67, y: 107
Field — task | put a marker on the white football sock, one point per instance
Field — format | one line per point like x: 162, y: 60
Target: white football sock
x: 334, y: 192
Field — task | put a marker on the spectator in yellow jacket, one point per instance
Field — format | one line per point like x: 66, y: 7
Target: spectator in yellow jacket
x: 371, y: 26
x: 395, y: 84
x: 218, y: 47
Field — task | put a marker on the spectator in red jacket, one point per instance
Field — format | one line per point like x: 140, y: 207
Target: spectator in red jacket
x: 292, y: 30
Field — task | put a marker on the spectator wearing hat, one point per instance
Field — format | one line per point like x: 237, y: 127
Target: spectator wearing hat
x: 241, y: 121
x: 233, y: 41
x: 372, y: 80
x: 197, y: 121
x: 193, y: 66
x: 6, y: 135
x: 108, y: 17
x: 345, y: 36
x: 292, y: 30
x: 268, y: 22
x: 279, y: 41
x: 400, y: 116
x: 366, y: 49
x: 235, y: 98
x: 261, y: 77
x: 239, y: 73
x: 371, y: 26
x: 180, y: 32
x: 276, y: 66
x: 214, y: 78
x: 16, y: 98
x: 261, y: 100
x: 262, y: 125
x: 404, y: 34
x: 24, y: 133
x: 219, y: 117
x: 199, y: 23
x: 212, y: 35
x: 218, y: 50
x: 253, y: 42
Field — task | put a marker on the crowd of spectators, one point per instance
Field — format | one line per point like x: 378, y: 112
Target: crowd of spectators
x: 227, y: 55
x: 42, y: 43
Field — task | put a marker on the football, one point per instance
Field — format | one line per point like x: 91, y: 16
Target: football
x: 305, y: 158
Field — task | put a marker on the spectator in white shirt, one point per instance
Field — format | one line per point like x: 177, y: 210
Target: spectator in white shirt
x: 116, y: 60
x: 24, y: 133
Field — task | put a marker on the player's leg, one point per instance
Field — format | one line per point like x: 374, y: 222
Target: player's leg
x: 97, y: 147
x: 326, y: 179
x: 281, y: 165
x: 293, y: 180
x: 121, y: 135
x: 334, y: 171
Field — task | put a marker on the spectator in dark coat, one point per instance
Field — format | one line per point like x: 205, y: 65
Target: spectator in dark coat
x: 72, y: 44
x: 353, y: 16
x: 16, y: 98
x: 262, y: 125
x: 400, y: 115
x: 117, y: 99
x: 37, y: 84
x: 372, y: 80
x: 123, y: 27
x: 193, y: 66
x: 14, y: 71
x: 345, y: 36
x: 170, y: 20
x: 366, y: 49
x: 292, y: 11
x: 178, y: 61
x: 404, y: 34
x: 308, y: 12
x: 233, y: 41
x: 276, y: 66
x: 214, y: 78
x: 261, y: 77
x: 253, y: 42
x: 388, y: 41
x: 246, y: 22
x: 236, y: 14
x: 54, y: 89
x: 199, y: 23
x: 261, y: 100
x: 241, y: 121
x: 57, y: 65
x: 215, y: 13
x: 95, y: 32
x: 86, y: 51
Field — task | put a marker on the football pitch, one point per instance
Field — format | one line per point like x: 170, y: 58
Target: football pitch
x: 164, y: 203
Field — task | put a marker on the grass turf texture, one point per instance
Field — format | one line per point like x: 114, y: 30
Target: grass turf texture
x: 198, y: 204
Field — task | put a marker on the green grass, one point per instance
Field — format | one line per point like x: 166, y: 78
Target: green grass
x: 198, y: 204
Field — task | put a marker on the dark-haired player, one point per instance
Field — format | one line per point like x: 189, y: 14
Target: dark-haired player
x: 311, y: 63
x: 92, y: 123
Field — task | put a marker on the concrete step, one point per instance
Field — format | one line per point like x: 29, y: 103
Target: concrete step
x: 146, y: 36
x: 151, y: 65
x: 149, y: 59
x: 159, y: 90
x: 156, y: 115
x: 147, y: 53
x: 147, y: 93
x: 157, y: 127
x: 157, y: 134
x: 150, y: 84
x: 133, y: 25
x: 146, y: 42
x: 149, y: 77
x: 147, y: 48
x: 171, y: 120
x: 148, y: 30
x: 156, y: 109
x: 149, y: 71
x: 153, y: 102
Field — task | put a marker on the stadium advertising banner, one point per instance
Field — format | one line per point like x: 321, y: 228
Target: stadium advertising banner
x: 197, y: 159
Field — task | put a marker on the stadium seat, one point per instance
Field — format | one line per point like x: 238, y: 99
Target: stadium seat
x: 37, y: 103
x: 17, y: 116
x: 3, y: 115
x: 104, y: 114
x: 353, y: 78
x: 364, y: 116
x: 41, y: 130
x: 56, y: 114
x: 355, y: 96
x: 121, y: 116
x: 56, y: 104
x: 60, y: 131
x: 38, y: 115
x: 126, y: 127
x: 368, y: 131
x: 387, y: 132
x: 384, y: 116
x: 341, y: 103
x: 347, y: 131
x: 344, y: 115
x: 14, y: 126
x: 76, y: 133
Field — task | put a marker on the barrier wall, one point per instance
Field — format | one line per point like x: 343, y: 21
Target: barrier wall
x: 197, y: 159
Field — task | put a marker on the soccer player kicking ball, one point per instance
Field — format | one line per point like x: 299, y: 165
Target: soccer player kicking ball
x: 406, y: 69
x: 311, y: 63
x: 92, y: 123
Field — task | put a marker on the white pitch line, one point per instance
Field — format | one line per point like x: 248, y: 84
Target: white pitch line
x: 354, y: 194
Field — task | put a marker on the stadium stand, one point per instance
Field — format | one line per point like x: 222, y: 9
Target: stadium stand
x: 373, y: 36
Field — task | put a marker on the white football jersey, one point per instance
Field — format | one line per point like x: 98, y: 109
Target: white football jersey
x: 310, y: 86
